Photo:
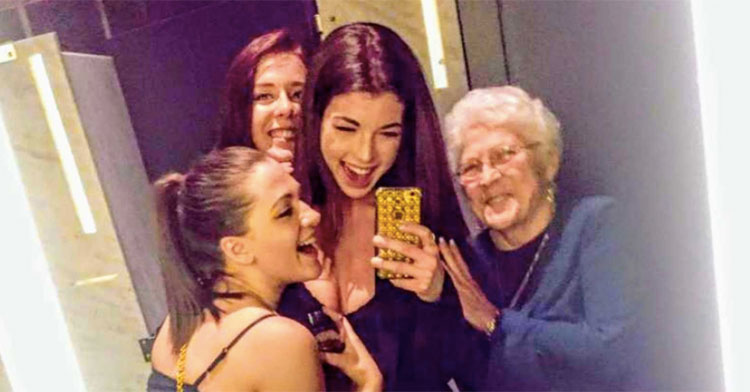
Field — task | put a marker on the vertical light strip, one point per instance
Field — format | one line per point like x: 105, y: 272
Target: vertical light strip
x: 707, y: 94
x: 105, y: 20
x: 23, y: 16
x: 35, y: 344
x: 54, y: 120
x: 435, y: 44
x: 723, y: 86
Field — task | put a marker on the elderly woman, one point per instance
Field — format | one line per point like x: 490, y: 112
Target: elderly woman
x: 546, y: 286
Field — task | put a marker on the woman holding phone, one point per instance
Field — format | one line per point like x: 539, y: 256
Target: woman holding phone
x: 370, y: 122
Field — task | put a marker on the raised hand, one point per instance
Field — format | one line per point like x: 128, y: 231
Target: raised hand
x: 477, y: 309
x: 281, y: 151
x: 426, y: 273
x: 355, y: 361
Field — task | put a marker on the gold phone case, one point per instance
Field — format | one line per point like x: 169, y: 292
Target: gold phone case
x: 395, y: 206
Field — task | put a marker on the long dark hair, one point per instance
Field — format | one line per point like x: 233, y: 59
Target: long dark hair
x: 195, y: 211
x: 367, y: 57
x: 240, y: 82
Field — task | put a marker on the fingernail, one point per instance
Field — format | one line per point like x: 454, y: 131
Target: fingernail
x: 376, y: 261
x: 442, y: 240
x: 453, y: 242
x: 378, y: 238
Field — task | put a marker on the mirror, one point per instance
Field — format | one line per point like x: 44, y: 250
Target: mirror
x: 619, y: 75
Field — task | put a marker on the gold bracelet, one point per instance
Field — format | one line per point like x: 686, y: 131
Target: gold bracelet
x: 489, y: 328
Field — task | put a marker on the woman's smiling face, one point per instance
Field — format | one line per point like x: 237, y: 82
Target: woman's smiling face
x: 360, y: 137
x: 506, y: 196
x: 281, y: 227
x: 277, y: 95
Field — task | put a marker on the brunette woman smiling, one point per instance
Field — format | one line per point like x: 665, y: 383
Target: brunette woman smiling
x: 370, y: 122
x: 236, y: 234
x: 262, y: 97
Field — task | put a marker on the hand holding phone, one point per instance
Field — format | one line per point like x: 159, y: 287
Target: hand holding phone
x: 394, y: 207
x: 407, y: 253
x: 354, y: 360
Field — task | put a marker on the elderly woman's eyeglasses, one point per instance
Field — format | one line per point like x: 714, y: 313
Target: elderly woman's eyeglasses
x: 497, y: 159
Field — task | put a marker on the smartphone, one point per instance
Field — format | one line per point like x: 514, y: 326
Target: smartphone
x: 394, y: 206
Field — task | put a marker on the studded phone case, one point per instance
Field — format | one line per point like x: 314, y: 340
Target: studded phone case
x: 395, y: 206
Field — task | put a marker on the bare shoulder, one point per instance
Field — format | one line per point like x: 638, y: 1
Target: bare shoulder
x: 269, y: 335
x: 283, y: 334
x: 277, y: 353
x: 162, y: 358
x: 276, y: 326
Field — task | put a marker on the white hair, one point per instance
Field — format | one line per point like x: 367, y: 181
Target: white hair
x: 509, y: 108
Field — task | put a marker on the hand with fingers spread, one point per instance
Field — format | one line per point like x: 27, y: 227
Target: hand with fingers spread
x: 355, y: 361
x: 477, y: 309
x: 426, y: 273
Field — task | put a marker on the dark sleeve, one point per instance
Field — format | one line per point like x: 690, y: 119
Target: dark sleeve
x: 591, y: 347
x: 443, y: 346
x: 465, y: 349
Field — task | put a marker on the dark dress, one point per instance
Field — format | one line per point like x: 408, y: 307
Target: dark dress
x: 570, y: 330
x: 401, y: 332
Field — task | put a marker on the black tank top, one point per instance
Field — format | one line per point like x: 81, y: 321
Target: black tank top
x: 160, y: 382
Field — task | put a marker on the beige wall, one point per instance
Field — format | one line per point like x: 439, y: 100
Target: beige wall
x: 103, y: 320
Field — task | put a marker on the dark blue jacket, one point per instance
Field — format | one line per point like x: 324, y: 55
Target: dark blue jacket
x: 572, y: 331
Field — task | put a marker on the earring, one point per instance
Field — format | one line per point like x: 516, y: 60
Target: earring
x: 550, y: 194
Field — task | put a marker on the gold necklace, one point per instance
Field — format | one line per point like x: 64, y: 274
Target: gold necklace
x: 181, y: 367
x: 529, y: 271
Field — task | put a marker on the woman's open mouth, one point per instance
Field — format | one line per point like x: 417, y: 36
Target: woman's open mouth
x: 496, y: 200
x: 308, y: 247
x: 288, y: 134
x: 356, y: 176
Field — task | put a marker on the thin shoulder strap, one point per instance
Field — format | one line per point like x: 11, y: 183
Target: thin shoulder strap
x: 225, y: 350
